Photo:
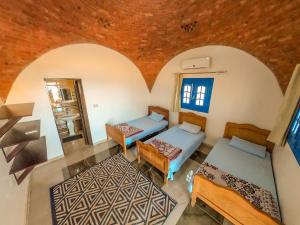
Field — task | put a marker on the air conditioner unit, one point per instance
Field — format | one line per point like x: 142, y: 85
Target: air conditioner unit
x: 196, y: 63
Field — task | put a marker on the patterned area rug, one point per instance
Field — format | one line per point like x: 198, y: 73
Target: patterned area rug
x: 111, y: 192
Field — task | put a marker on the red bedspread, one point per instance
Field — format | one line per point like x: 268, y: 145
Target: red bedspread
x: 128, y: 130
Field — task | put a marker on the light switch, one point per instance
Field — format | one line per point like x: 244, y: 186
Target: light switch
x: 95, y: 105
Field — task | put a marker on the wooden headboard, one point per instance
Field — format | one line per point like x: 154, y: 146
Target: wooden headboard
x: 193, y: 118
x: 250, y: 133
x: 159, y: 110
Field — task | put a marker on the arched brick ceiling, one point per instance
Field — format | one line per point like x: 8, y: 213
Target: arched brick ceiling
x: 149, y: 32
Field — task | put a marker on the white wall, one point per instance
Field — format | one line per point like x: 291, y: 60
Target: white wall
x: 287, y: 174
x: 13, y: 206
x: 109, y: 79
x: 13, y: 196
x: 247, y: 93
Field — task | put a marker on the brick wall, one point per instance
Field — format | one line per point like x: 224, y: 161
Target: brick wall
x: 149, y: 32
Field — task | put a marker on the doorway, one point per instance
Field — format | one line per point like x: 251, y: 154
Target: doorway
x: 69, y: 109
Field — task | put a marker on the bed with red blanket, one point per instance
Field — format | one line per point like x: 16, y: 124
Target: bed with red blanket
x: 170, y: 149
x: 128, y: 133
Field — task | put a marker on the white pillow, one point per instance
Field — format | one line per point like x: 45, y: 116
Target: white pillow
x: 191, y: 128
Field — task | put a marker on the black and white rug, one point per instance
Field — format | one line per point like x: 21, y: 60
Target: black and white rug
x: 111, y: 192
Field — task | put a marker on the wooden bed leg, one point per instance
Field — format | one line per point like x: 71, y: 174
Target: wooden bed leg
x: 138, y: 152
x: 166, y: 179
x: 138, y: 158
x: 193, y: 201
x: 125, y: 150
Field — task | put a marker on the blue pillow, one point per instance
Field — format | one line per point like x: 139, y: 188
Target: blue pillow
x: 249, y: 147
x: 156, y: 116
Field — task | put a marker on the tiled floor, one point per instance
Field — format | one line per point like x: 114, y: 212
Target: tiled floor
x: 200, y: 214
x: 81, y: 157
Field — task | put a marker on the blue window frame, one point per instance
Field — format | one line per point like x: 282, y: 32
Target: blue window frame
x: 196, y: 93
x: 294, y: 134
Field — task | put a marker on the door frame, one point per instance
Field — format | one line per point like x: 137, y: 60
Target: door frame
x: 82, y: 108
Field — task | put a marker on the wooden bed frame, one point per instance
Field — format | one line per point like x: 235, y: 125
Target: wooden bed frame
x: 150, y: 154
x: 225, y: 201
x: 117, y: 136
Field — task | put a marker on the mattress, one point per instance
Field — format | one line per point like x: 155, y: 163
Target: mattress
x: 148, y: 126
x: 243, y: 165
x: 188, y: 142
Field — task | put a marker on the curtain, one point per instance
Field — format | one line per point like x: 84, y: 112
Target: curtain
x: 177, y: 93
x: 287, y: 110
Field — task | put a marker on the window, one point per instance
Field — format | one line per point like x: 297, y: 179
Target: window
x: 187, y: 94
x: 294, y: 134
x: 200, y: 95
x: 196, y: 93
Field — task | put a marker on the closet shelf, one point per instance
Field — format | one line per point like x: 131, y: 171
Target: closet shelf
x: 21, y: 132
x: 32, y: 154
x: 14, y: 152
x: 21, y: 141
x: 12, y: 114
x: 16, y: 110
x: 5, y: 126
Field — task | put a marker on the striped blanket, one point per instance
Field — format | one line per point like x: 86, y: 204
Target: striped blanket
x: 165, y: 148
x: 128, y: 130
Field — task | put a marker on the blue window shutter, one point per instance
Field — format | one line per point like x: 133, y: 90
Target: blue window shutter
x: 200, y: 94
x: 294, y: 134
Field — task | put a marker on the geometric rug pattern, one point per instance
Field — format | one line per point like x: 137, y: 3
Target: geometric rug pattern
x: 111, y: 192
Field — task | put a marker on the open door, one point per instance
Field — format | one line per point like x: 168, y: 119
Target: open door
x: 83, y: 111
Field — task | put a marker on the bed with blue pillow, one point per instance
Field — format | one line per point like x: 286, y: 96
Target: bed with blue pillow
x: 244, y: 153
x: 187, y: 136
x: 157, y: 120
x: 186, y: 141
x: 247, y: 161
x: 149, y: 124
